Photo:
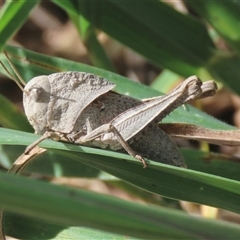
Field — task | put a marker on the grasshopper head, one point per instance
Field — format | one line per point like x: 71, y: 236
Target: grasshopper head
x: 36, y: 98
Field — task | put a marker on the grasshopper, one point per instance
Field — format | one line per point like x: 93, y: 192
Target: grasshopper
x: 82, y: 108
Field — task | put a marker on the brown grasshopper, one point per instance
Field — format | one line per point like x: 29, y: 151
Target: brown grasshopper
x: 82, y: 108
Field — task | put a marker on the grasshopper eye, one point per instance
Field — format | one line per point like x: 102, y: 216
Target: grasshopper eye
x: 35, y: 93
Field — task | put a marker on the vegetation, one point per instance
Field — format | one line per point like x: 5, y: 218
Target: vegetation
x: 171, y: 40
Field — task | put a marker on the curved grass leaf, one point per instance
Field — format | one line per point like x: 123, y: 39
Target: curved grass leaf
x: 49, y: 164
x: 169, y: 181
x: 23, y: 227
x: 71, y: 207
x: 52, y: 164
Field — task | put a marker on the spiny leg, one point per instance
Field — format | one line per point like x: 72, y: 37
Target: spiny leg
x: 127, y: 147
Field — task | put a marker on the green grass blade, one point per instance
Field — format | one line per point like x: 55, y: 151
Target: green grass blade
x: 165, y: 81
x: 23, y: 227
x: 227, y: 25
x: 165, y: 46
x: 164, y: 36
x: 53, y: 164
x: 88, y: 34
x: 13, y: 14
x: 158, y: 178
x: 48, y: 164
x: 213, y: 163
x: 48, y: 202
x: 224, y: 16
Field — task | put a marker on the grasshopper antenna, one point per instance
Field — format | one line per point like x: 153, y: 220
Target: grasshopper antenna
x: 15, y: 71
